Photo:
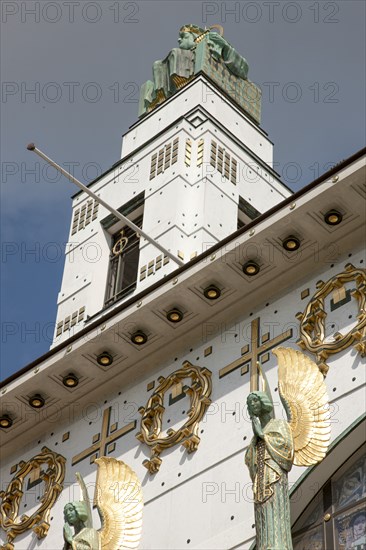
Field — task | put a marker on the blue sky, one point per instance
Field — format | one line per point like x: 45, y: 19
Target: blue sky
x: 85, y: 63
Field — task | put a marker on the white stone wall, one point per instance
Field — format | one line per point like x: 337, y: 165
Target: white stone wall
x: 199, y: 93
x: 187, y: 208
x: 205, y: 497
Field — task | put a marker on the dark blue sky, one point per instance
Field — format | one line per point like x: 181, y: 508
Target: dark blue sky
x: 85, y: 64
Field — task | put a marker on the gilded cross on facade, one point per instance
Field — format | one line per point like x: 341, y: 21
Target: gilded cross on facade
x: 259, y: 348
x: 103, y: 443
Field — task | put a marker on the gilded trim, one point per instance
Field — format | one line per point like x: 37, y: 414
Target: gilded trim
x: 152, y: 415
x: 313, y: 319
x: 53, y: 477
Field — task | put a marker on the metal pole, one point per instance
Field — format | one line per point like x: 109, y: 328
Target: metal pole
x: 32, y: 147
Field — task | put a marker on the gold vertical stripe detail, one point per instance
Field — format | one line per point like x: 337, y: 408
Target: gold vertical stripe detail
x: 168, y: 154
x: 153, y: 166
x: 220, y: 159
x: 200, y: 152
x: 175, y: 150
x: 187, y: 159
x: 233, y: 170
x: 227, y: 165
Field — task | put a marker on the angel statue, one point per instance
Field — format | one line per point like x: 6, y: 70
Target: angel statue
x: 173, y: 72
x: 119, y: 503
x: 277, y: 444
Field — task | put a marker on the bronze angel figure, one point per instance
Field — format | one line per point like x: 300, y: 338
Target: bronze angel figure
x: 119, y: 503
x: 277, y: 444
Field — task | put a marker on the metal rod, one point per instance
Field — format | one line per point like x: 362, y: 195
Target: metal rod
x: 32, y: 147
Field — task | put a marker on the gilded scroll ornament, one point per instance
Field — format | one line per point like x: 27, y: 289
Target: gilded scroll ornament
x: 277, y: 444
x: 313, y: 319
x: 52, y: 476
x: 152, y: 415
x: 120, y: 504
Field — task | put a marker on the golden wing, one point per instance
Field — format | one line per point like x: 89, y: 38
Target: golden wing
x: 304, y: 396
x: 120, y: 504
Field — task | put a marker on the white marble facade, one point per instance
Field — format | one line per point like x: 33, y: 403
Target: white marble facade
x: 187, y: 208
x: 202, y: 500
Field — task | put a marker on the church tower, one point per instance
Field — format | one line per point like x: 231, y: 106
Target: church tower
x: 194, y: 168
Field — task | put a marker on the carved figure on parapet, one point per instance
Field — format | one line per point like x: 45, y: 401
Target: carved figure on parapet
x: 180, y: 65
x: 277, y: 444
x: 119, y: 502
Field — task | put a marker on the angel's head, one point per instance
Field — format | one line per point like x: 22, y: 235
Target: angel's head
x: 188, y: 35
x: 259, y: 403
x: 75, y: 512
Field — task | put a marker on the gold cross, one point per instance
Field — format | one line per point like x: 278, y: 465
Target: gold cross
x: 259, y: 346
x: 101, y: 441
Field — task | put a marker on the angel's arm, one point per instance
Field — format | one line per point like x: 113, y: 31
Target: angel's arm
x: 265, y: 387
x: 68, y: 535
x: 257, y: 427
x: 85, y: 498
